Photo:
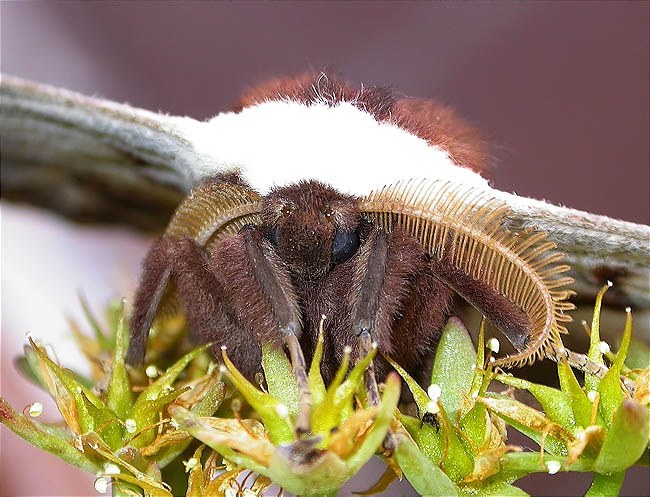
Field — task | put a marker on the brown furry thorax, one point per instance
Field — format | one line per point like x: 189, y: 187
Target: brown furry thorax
x: 301, y: 221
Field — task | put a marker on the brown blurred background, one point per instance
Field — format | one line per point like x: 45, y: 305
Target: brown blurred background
x: 559, y: 88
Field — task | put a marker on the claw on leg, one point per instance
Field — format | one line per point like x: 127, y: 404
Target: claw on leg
x: 303, y: 423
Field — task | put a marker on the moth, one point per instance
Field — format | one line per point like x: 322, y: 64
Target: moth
x: 255, y: 253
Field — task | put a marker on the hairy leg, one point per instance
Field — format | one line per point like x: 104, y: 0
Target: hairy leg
x: 262, y: 299
x: 156, y: 273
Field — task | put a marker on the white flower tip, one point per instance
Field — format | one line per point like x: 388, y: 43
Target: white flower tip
x: 374, y: 345
x: 130, y: 425
x: 35, y: 409
x: 494, y: 345
x: 583, y: 322
x: 628, y: 309
x: 223, y: 347
x: 492, y: 360
x: 553, y: 467
x: 223, y: 369
x: 190, y: 463
x: 101, y: 484
x: 323, y: 317
x: 603, y: 347
x: 282, y: 410
x: 610, y: 284
x: 111, y: 469
x: 591, y: 395
x: 151, y: 371
x: 347, y: 349
x: 432, y: 407
x: 434, y: 392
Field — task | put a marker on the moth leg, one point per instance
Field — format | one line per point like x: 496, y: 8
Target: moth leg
x: 497, y: 308
x: 184, y: 263
x: 261, y: 289
x: 156, y: 273
x: 370, y: 277
x: 370, y: 280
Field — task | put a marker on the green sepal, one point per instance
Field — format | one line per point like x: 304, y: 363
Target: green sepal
x: 496, y: 488
x: 35, y: 434
x: 118, y: 396
x: 71, y: 398
x: 280, y: 428
x: 555, y: 403
x: 530, y: 422
x: 594, y: 354
x: 424, y: 475
x: 314, y: 377
x: 626, y: 439
x: 606, y: 485
x: 427, y: 438
x: 580, y: 404
x: 146, y: 414
x: 611, y: 393
x: 280, y: 380
x: 454, y: 366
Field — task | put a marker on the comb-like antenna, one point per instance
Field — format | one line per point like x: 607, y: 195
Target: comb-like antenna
x: 461, y: 227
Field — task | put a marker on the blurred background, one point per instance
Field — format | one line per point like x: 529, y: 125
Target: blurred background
x: 560, y: 89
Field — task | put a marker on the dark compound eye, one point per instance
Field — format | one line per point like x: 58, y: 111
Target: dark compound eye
x: 344, y: 246
x: 272, y: 236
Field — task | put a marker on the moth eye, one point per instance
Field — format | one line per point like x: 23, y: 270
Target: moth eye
x: 344, y: 246
x: 328, y: 214
x: 286, y: 209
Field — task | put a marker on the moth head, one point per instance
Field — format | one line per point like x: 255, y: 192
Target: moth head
x: 312, y: 226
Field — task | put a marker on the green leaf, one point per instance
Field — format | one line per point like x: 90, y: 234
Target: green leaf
x: 269, y: 408
x: 71, y: 398
x: 427, y: 438
x: 530, y: 422
x: 606, y: 485
x: 427, y: 478
x: 454, y: 365
x: 611, y: 393
x: 379, y: 429
x: 594, y: 354
x: 494, y: 489
x: 119, y: 398
x: 147, y: 414
x: 279, y: 376
x: 30, y: 432
x: 626, y: 439
x: 314, y: 378
x: 580, y: 404
x: 165, y: 381
x: 555, y: 403
x: 420, y: 396
x: 217, y: 439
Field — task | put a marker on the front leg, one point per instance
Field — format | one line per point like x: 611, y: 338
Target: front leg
x: 263, y: 300
x: 398, y: 303
x: 183, y: 264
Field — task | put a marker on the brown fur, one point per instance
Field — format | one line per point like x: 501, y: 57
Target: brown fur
x: 432, y: 121
x: 241, y: 294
